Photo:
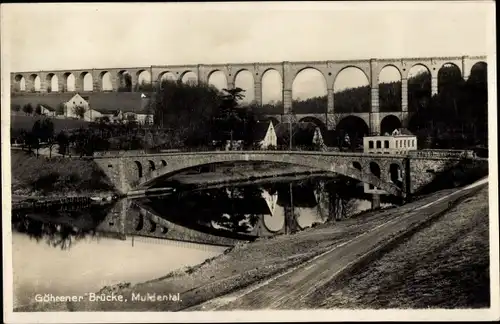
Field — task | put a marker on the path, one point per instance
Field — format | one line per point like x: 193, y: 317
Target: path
x: 291, y: 289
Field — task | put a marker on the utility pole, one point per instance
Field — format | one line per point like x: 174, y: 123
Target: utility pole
x: 291, y: 135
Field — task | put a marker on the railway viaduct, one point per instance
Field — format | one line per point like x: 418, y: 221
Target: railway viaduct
x: 40, y: 81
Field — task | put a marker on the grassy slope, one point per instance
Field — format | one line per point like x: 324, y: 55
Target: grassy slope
x: 443, y: 266
x: 55, y: 176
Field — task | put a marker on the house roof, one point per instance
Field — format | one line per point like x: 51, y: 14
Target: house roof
x: 48, y: 107
x: 260, y: 130
x: 108, y: 102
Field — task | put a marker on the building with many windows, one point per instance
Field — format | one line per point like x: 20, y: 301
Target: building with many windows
x: 401, y: 141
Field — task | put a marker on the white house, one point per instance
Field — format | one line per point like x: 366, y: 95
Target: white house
x: 400, y: 142
x: 71, y: 105
x: 265, y: 135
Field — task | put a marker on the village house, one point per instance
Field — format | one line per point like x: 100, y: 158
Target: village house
x: 115, y: 108
x: 401, y: 141
x: 47, y: 111
x: 265, y: 135
x: 71, y: 106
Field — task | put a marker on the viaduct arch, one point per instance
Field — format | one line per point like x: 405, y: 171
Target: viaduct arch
x: 112, y: 79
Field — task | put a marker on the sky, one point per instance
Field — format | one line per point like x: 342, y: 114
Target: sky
x: 72, y: 36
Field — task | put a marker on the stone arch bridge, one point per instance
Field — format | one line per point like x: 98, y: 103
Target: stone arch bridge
x: 132, y: 170
x: 92, y: 79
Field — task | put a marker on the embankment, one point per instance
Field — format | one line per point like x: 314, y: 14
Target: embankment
x: 41, y: 176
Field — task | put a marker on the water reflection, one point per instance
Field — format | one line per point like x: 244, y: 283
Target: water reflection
x: 61, y: 228
x: 134, y: 240
x: 251, y: 211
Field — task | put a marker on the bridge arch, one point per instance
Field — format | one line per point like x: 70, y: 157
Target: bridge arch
x: 419, y: 87
x: 151, y: 165
x: 138, y: 222
x: 244, y: 79
x: 52, y: 82
x: 357, y: 165
x: 69, y: 81
x: 449, y: 77
x: 189, y: 77
x: 86, y: 81
x: 275, y: 121
x: 272, y: 92
x: 375, y: 169
x: 163, y: 163
x: 124, y: 81
x: 20, y: 83
x: 35, y: 83
x: 334, y: 163
x: 389, y: 89
x: 218, y: 79
x: 396, y: 174
x: 138, y: 168
x: 480, y: 65
x: 388, y: 124
x: 152, y: 226
x: 309, y: 91
x: 105, y: 80
x: 274, y: 223
x: 352, y: 91
x: 166, y: 76
x: 143, y: 78
x: 316, y: 121
x: 353, y: 126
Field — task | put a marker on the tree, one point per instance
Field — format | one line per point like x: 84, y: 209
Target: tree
x: 62, y: 140
x: 38, y: 109
x: 185, y: 111
x: 43, y: 131
x: 28, y: 109
x: 15, y: 107
x: 229, y: 120
x: 79, y: 111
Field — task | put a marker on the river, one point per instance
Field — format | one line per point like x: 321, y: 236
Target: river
x: 73, y: 252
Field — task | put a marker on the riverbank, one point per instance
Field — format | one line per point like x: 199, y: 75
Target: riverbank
x: 241, y: 266
x: 56, y: 177
x: 445, y: 265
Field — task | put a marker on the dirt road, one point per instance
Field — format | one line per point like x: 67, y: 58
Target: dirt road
x: 294, y: 288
